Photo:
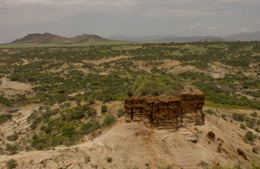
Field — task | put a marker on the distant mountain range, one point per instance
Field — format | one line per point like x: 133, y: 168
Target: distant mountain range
x: 51, y: 38
x: 171, y: 38
x: 245, y: 36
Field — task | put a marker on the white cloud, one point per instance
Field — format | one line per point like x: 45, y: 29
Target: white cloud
x: 245, y: 29
x: 19, y: 3
x: 194, y: 26
x: 211, y: 28
x: 239, y: 1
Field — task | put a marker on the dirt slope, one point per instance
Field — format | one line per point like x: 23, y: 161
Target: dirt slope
x: 132, y: 145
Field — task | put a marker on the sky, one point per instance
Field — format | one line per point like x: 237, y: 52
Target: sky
x: 127, y: 17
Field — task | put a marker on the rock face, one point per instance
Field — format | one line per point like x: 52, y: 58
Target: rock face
x: 166, y: 112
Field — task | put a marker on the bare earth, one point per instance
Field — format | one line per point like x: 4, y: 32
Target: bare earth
x: 8, y: 87
x: 132, y: 145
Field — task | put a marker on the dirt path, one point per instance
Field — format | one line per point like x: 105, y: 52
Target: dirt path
x: 25, y: 61
x: 3, y: 84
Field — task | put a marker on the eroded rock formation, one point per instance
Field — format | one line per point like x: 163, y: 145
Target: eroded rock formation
x: 166, y: 112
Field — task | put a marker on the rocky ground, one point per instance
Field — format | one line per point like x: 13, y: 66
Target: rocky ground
x: 132, y: 145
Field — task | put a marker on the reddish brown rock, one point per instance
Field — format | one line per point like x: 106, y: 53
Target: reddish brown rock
x: 211, y: 135
x: 242, y: 153
x: 219, y: 147
x: 166, y: 112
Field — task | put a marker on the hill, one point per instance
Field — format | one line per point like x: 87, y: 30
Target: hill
x: 253, y: 36
x: 51, y: 38
x: 166, y: 38
x: 132, y: 145
x: 62, y: 107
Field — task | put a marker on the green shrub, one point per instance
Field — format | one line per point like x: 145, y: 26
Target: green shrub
x: 104, y: 108
x: 90, y: 127
x: 32, y: 116
x: 76, y: 114
x: 87, y: 126
x: 10, y: 164
x: 120, y: 112
x: 258, y: 122
x: 40, y: 143
x: 255, y: 150
x: 203, y: 164
x: 108, y: 97
x: 109, y: 119
x: 251, y: 122
x: 224, y: 117
x: 91, y: 101
x: 35, y: 123
x: 91, y: 112
x: 238, y: 116
x: 254, y: 114
x: 243, y: 126
x: 13, y: 137
x: 109, y: 159
x: 68, y: 131
x: 13, y: 149
x: 155, y: 85
x: 249, y: 137
x: 5, y: 117
x: 209, y: 111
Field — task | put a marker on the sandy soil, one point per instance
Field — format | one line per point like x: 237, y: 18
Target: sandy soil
x: 18, y: 123
x: 132, y: 145
x: 11, y: 87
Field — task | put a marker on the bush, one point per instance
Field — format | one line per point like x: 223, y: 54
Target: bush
x: 109, y: 159
x: 251, y: 123
x: 255, y: 150
x: 209, y: 111
x: 155, y: 85
x: 12, y: 149
x: 249, y: 137
x: 68, y: 131
x: 5, y: 117
x: 238, y: 117
x: 87, y: 126
x: 91, y: 112
x: 120, y: 112
x: 91, y: 101
x: 254, y: 114
x: 10, y: 164
x: 109, y: 119
x: 108, y: 97
x: 243, y: 126
x: 39, y: 143
x: 13, y: 137
x: 258, y: 122
x: 224, y: 117
x: 35, y: 123
x: 90, y: 127
x: 104, y: 108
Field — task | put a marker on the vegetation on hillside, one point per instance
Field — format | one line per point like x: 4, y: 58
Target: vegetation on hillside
x: 72, y: 82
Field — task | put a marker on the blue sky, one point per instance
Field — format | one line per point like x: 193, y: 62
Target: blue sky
x: 127, y: 17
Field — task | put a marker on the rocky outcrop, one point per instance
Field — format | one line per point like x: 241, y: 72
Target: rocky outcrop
x: 242, y: 153
x: 211, y: 135
x: 166, y: 112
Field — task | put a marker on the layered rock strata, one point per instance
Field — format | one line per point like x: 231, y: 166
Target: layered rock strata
x: 166, y: 112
